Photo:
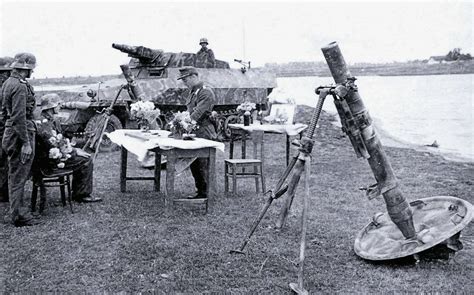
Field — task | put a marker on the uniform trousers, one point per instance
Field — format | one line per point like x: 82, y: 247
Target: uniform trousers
x: 18, y: 173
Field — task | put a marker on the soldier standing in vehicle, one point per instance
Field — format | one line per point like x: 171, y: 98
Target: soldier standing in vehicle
x: 19, y: 136
x: 5, y: 69
x: 199, y: 103
x: 205, y: 56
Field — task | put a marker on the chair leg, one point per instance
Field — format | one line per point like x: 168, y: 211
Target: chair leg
x: 63, y: 191
x: 234, y: 179
x: 256, y: 179
x: 262, y: 178
x: 69, y: 195
x: 42, y: 189
x: 34, y: 196
x: 226, y: 178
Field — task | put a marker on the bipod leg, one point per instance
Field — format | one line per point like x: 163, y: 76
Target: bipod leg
x: 279, y: 192
x: 287, y: 172
x: 305, y: 147
x: 299, y: 287
x: 259, y: 218
x: 293, y: 184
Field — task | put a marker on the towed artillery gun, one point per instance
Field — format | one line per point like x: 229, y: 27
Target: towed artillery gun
x: 156, y: 72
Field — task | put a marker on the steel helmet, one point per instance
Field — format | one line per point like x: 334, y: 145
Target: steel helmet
x: 25, y: 61
x: 49, y: 101
x: 5, y: 63
x: 203, y: 40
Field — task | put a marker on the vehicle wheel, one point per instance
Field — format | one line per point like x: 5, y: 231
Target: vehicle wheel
x: 113, y: 124
x: 232, y: 119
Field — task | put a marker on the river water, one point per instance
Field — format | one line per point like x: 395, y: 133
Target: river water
x: 411, y: 111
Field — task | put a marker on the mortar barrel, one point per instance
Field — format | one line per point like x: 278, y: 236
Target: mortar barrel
x: 397, y: 206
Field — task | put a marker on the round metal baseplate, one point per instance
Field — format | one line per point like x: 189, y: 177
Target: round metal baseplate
x: 436, y: 219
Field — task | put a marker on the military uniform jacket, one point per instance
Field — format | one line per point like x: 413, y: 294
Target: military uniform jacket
x: 200, y: 103
x: 3, y: 116
x: 205, y: 58
x: 18, y: 104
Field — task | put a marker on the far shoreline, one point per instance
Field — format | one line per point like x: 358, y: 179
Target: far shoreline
x: 388, y: 141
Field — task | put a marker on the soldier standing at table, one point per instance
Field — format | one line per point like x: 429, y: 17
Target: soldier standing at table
x: 5, y: 69
x: 205, y: 56
x: 19, y: 137
x: 199, y: 103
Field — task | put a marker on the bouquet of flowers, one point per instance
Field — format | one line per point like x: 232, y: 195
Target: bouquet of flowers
x: 145, y: 112
x: 182, y: 124
x: 246, y: 107
x: 61, y: 150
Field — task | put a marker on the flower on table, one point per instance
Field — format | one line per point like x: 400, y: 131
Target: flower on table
x: 246, y: 107
x: 144, y: 110
x: 182, y: 123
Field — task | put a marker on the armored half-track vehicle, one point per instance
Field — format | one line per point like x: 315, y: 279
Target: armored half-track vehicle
x: 156, y: 73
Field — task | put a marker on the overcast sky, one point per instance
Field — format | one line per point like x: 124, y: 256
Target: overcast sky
x: 74, y: 38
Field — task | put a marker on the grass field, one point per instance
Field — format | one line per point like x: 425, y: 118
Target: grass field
x: 129, y: 243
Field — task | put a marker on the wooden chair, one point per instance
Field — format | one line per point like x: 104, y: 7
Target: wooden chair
x: 57, y: 178
x: 245, y: 167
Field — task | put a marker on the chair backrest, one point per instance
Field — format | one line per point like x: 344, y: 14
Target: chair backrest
x: 256, y: 151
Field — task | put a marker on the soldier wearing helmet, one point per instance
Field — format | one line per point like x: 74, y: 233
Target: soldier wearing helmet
x: 5, y: 70
x: 79, y: 161
x: 205, y: 56
x: 199, y: 104
x: 18, y: 103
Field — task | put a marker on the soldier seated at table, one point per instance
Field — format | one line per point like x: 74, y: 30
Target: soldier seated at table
x: 47, y: 151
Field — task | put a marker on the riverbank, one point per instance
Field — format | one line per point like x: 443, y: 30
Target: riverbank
x: 129, y: 243
x: 415, y: 68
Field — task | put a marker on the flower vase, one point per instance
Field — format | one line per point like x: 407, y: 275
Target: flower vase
x: 144, y: 125
x: 177, y: 134
x: 247, y: 118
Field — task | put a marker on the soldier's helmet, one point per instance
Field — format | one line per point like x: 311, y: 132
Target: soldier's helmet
x: 25, y: 61
x: 203, y: 40
x: 49, y: 101
x: 5, y: 63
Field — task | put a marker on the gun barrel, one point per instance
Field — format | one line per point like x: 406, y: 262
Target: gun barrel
x: 125, y: 48
x: 367, y: 143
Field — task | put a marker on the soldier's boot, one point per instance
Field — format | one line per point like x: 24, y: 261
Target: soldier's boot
x: 27, y: 220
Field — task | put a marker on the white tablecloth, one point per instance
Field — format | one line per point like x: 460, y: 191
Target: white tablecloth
x: 139, y: 143
x: 290, y: 129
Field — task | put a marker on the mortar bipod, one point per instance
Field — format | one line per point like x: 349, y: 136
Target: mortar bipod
x: 297, y: 163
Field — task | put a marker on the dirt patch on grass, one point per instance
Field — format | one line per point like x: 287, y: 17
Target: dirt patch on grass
x: 130, y: 243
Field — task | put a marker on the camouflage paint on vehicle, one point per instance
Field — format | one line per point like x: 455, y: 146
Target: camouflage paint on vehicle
x: 156, y: 73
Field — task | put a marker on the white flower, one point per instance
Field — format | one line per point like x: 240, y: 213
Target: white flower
x: 144, y: 110
x: 54, y: 153
x: 59, y: 136
x: 61, y: 165
x: 53, y: 140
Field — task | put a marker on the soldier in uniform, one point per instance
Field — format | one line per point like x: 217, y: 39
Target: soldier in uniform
x: 5, y: 70
x: 80, y: 161
x: 199, y: 103
x: 18, y: 103
x: 205, y: 56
